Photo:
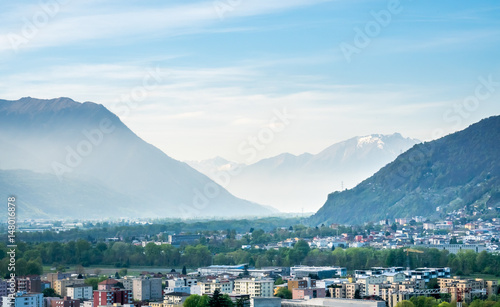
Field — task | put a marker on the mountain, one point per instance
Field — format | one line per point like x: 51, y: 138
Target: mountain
x: 292, y: 182
x: 456, y: 171
x: 63, y: 158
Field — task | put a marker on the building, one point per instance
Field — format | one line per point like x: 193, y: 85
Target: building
x: 209, y: 287
x: 345, y: 290
x: 147, y: 289
x: 31, y: 283
x: 61, y: 285
x: 65, y: 302
x: 302, y: 283
x: 44, y: 285
x: 112, y: 296
x: 427, y: 274
x: 52, y: 277
x: 23, y: 299
x: 334, y: 302
x: 265, y: 302
x: 321, y: 272
x: 175, y: 298
x: 468, y: 288
x: 3, y: 290
x: 221, y: 269
x: 254, y: 287
x: 87, y: 303
x: 308, y: 293
x: 82, y: 291
x: 177, y: 240
x: 108, y: 284
x: 364, y: 283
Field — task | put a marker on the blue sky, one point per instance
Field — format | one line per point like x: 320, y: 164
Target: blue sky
x: 218, y: 71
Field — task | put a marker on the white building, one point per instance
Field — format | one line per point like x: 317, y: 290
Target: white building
x: 22, y: 299
x: 254, y: 287
x: 80, y: 292
x: 209, y: 287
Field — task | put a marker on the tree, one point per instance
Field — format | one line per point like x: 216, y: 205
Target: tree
x: 284, y: 293
x: 117, y: 276
x: 279, y: 281
x: 49, y: 292
x: 405, y: 303
x: 242, y: 302
x: 196, y: 300
x: 433, y: 284
x: 184, y: 271
x: 219, y: 300
x: 123, y: 272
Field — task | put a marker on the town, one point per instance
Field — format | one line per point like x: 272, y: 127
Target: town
x: 244, y: 286
x: 377, y: 264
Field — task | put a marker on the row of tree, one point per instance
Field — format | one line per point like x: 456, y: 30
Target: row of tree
x: 31, y: 257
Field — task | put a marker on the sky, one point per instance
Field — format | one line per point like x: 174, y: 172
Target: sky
x: 200, y: 79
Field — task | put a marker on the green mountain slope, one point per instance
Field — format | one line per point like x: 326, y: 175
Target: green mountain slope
x: 457, y: 170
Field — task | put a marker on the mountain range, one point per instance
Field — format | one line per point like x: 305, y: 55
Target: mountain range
x: 456, y: 171
x: 62, y: 158
x: 294, y: 182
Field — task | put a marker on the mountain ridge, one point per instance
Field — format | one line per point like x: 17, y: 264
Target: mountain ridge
x: 459, y: 169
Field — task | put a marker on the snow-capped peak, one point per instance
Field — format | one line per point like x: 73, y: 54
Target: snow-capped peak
x: 370, y: 139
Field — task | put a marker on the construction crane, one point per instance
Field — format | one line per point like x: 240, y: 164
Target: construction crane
x: 408, y: 251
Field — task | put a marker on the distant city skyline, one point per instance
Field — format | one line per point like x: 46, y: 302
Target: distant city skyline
x: 200, y: 79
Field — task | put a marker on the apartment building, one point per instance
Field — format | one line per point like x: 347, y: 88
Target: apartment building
x: 30, y: 283
x: 147, y: 289
x: 254, y: 287
x: 65, y: 302
x: 344, y: 290
x: 82, y: 291
x: 467, y: 288
x: 23, y: 299
x: 52, y: 277
x: 112, y: 296
x: 3, y: 290
x: 308, y: 293
x: 301, y: 283
x: 209, y: 287
x: 60, y: 286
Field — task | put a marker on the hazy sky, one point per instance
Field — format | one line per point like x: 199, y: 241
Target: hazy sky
x: 202, y: 77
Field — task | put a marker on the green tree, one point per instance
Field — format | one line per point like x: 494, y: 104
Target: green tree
x: 196, y: 300
x: 49, y: 292
x: 123, y: 272
x: 405, y: 303
x: 284, y: 293
x: 219, y: 300
x: 184, y: 271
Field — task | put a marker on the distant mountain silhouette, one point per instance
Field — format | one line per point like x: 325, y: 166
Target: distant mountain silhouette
x: 291, y: 182
x: 70, y: 159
